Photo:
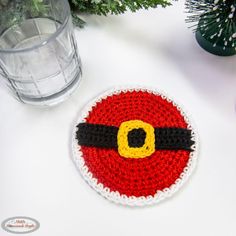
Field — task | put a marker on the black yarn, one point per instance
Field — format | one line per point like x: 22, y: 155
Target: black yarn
x: 173, y: 139
x: 96, y: 135
x: 136, y: 137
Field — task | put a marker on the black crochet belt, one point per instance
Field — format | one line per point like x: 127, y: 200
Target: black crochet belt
x: 97, y: 135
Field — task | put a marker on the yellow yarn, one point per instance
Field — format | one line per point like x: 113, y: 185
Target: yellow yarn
x: 148, y: 147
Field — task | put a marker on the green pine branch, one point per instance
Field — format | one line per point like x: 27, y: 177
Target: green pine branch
x: 13, y: 12
x: 104, y: 7
x: 98, y: 7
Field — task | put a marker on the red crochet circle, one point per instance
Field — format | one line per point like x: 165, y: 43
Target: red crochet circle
x: 130, y: 176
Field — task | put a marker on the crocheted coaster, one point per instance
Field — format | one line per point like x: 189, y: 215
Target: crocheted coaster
x: 134, y: 146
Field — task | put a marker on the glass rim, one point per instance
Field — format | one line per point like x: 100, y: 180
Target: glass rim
x: 44, y: 42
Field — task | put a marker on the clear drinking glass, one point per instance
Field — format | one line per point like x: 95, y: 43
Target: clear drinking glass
x: 39, y: 60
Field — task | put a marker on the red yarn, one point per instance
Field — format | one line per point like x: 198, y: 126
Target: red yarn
x: 130, y: 176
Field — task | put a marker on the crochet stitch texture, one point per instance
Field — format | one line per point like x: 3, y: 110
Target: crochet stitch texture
x: 149, y: 174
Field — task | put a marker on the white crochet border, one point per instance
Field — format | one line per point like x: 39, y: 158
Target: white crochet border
x: 116, y: 196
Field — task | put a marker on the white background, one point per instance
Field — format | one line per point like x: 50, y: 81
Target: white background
x: 154, y: 48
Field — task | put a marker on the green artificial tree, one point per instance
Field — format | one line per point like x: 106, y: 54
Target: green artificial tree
x: 215, y: 24
x: 104, y: 7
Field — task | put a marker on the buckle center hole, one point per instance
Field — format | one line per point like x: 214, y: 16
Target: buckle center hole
x: 136, y: 138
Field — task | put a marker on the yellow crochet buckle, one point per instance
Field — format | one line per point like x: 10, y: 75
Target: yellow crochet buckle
x: 135, y: 152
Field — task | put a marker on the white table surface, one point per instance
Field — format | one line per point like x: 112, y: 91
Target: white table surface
x: 153, y: 48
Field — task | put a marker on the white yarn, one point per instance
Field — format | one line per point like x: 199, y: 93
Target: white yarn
x: 116, y: 196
